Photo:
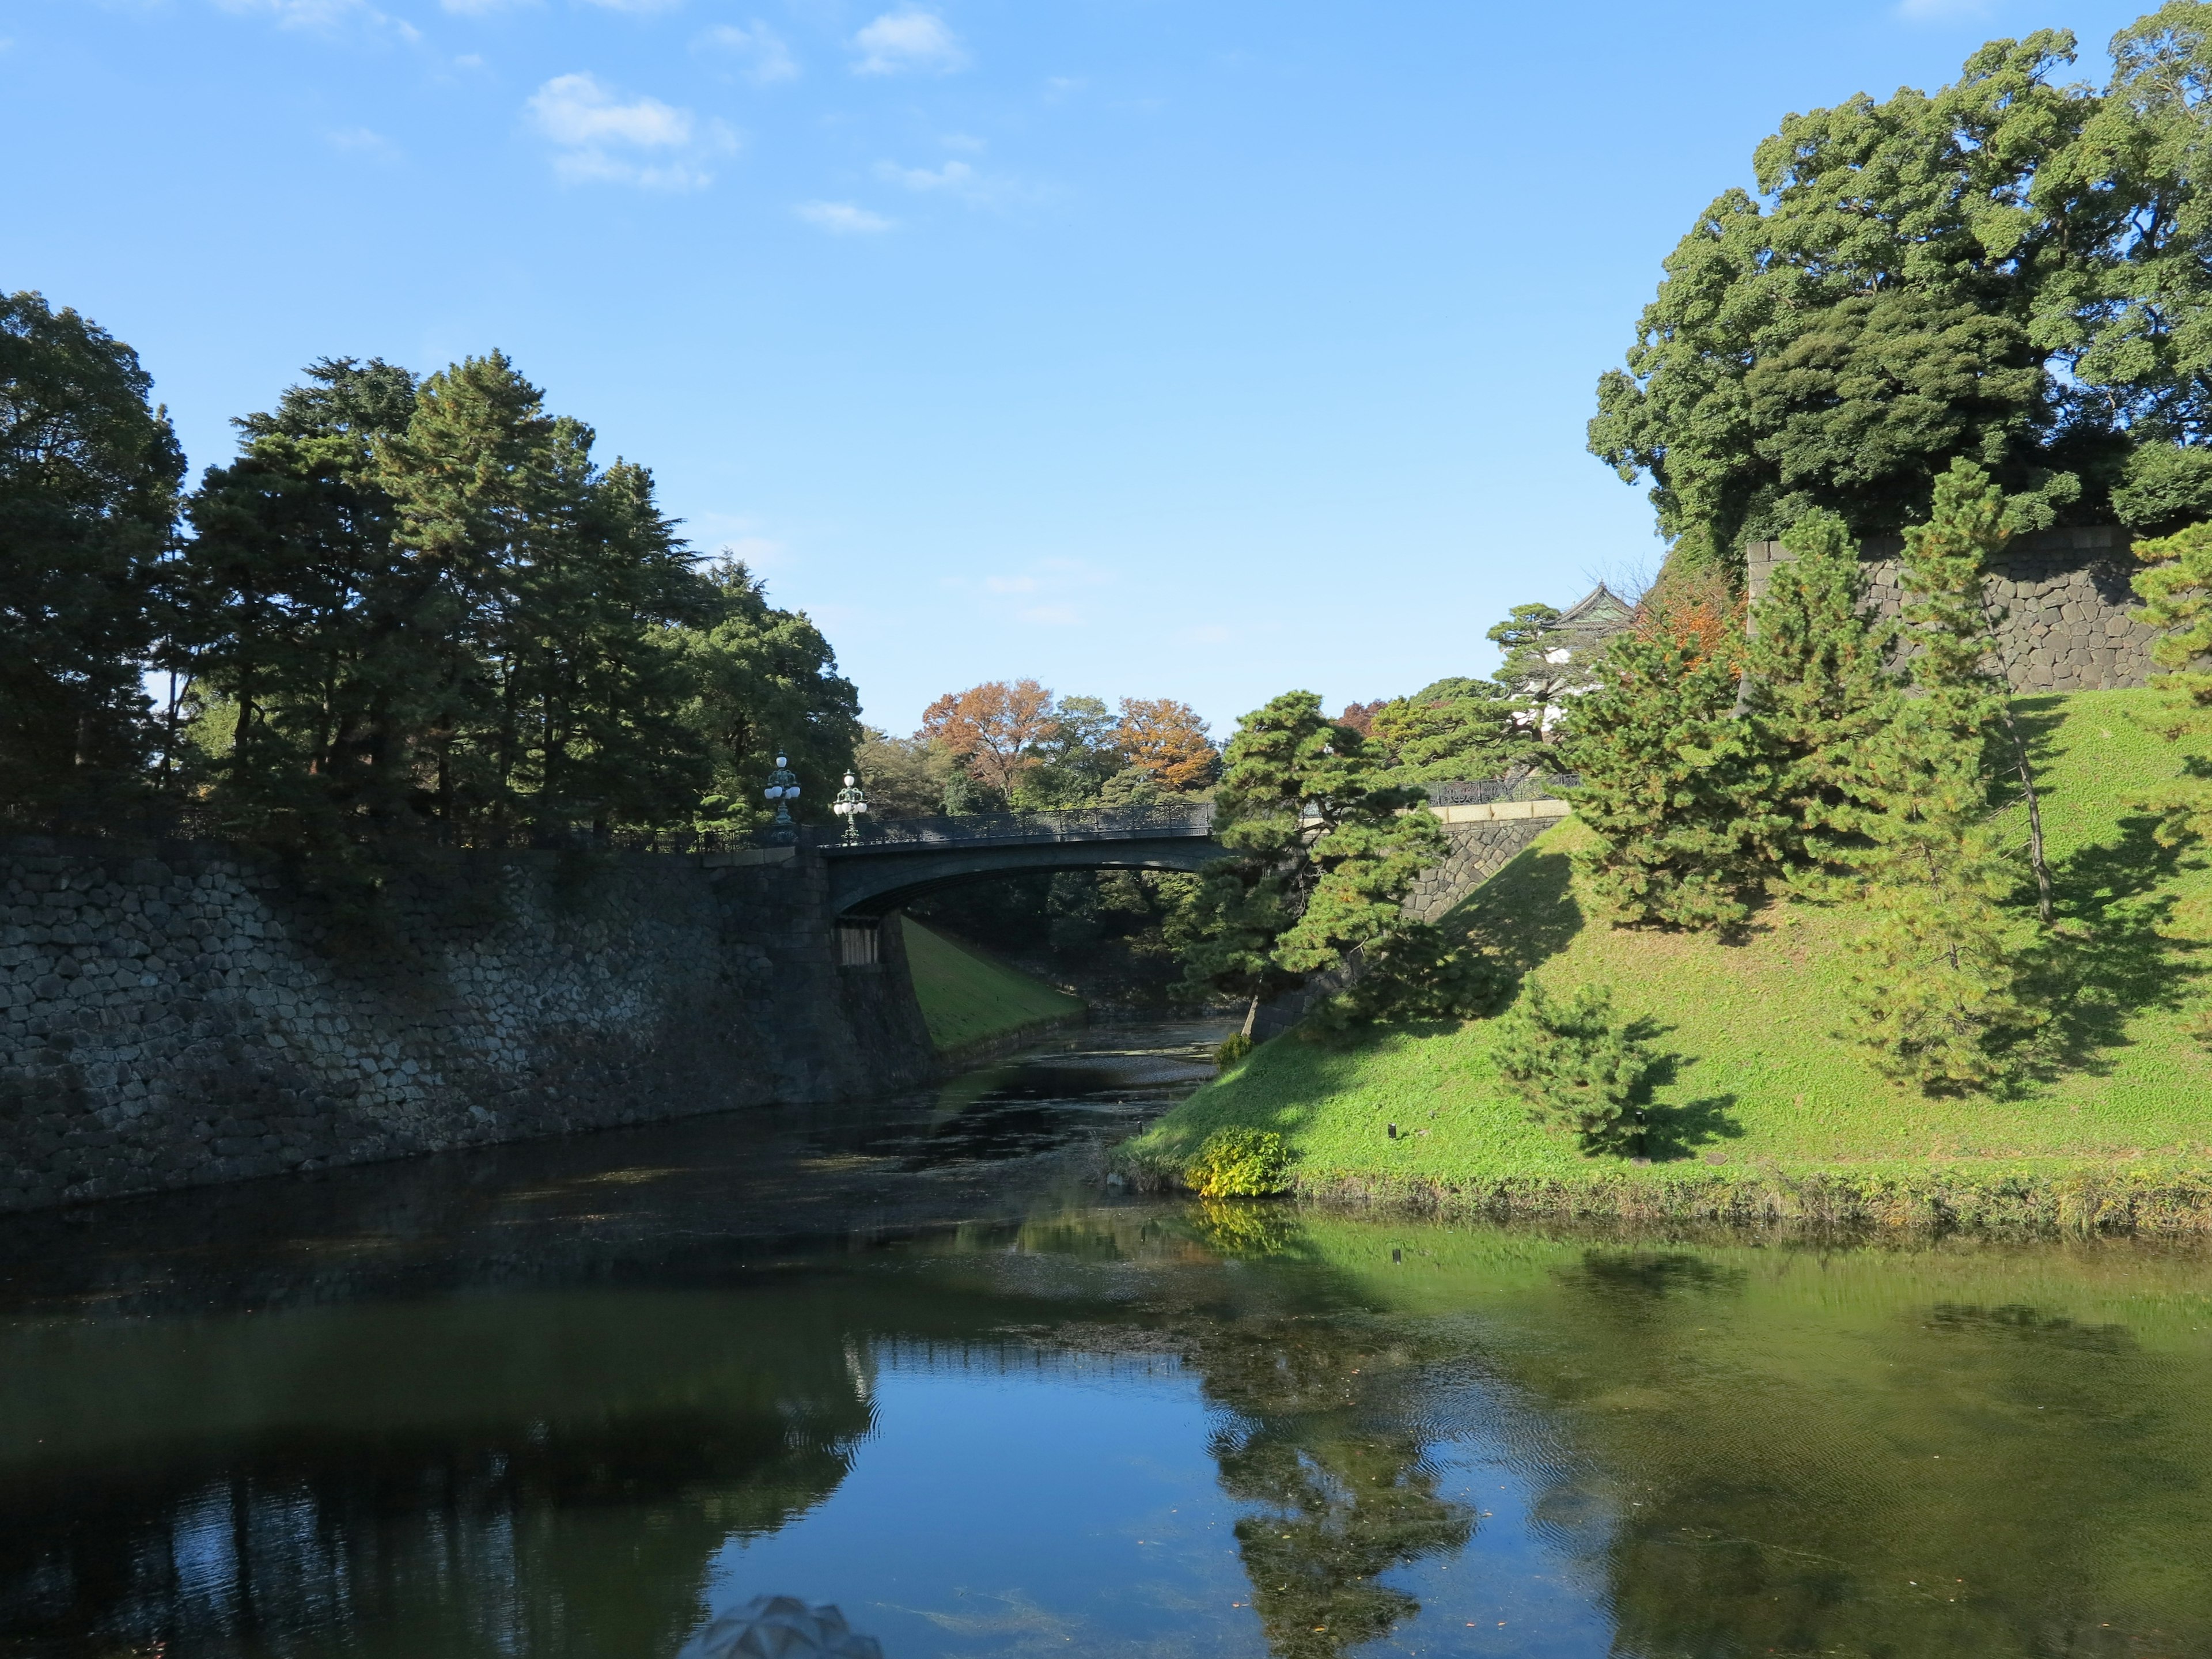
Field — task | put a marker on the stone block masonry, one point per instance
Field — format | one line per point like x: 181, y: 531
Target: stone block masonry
x: 187, y: 1013
x: 2068, y: 618
x: 1484, y: 840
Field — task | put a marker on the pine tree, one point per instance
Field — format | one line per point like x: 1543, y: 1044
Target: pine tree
x: 1578, y: 1064
x: 1320, y: 855
x: 1938, y: 988
x: 1819, y: 693
x: 1672, y: 786
x: 485, y: 485
x: 88, y: 476
x: 282, y: 606
x: 1954, y: 630
x: 1939, y: 991
x: 2177, y: 594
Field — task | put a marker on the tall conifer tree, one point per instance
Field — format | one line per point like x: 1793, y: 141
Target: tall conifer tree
x: 1940, y: 989
x: 1820, y: 691
x: 1672, y: 785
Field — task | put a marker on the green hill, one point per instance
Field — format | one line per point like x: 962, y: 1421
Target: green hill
x: 1769, y: 1110
x: 967, y: 997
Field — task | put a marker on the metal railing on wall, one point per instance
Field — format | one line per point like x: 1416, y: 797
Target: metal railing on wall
x: 1532, y: 786
x: 193, y: 820
x: 1007, y: 829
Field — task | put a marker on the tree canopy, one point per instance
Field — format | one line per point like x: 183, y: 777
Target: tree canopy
x: 2010, y: 272
x: 404, y: 608
x: 88, y: 476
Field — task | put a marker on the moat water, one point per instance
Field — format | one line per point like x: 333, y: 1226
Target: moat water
x: 569, y: 1400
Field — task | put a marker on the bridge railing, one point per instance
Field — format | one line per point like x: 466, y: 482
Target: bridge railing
x: 1015, y: 828
x: 1530, y: 785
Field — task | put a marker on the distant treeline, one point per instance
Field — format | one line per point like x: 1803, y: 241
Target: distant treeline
x: 412, y: 608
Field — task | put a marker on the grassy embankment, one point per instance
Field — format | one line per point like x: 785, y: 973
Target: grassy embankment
x: 1766, y: 1111
x: 969, y: 1000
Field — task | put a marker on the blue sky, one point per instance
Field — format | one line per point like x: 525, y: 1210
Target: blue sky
x: 1150, y: 349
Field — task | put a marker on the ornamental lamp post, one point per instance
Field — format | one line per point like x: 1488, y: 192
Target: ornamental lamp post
x: 848, y: 805
x: 783, y: 789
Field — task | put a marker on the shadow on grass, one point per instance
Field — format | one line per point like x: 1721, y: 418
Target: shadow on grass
x: 1525, y: 914
x: 2038, y: 720
x: 2111, y: 958
x: 1673, y: 1132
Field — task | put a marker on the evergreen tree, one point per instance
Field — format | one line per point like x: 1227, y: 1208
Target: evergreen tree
x: 1536, y: 675
x: 1454, y: 729
x: 764, y: 681
x: 88, y: 478
x: 1819, y: 693
x: 284, y: 606
x: 603, y: 698
x: 485, y: 486
x: 1322, y: 856
x: 1578, y: 1064
x: 1940, y: 991
x: 2177, y: 594
x: 1674, y: 788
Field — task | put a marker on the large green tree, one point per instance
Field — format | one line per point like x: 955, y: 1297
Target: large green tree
x: 764, y: 681
x: 290, y: 607
x: 1942, y: 991
x: 1917, y: 279
x: 1676, y: 790
x: 1322, y: 853
x: 89, y: 479
x: 1820, y: 691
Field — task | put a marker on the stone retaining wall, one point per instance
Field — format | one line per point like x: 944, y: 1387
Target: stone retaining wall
x: 1483, y: 839
x: 2068, y: 613
x: 185, y: 1014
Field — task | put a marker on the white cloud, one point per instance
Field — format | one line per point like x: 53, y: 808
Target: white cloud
x: 760, y: 52
x: 1010, y: 584
x: 960, y: 140
x: 322, y: 17
x: 960, y: 180
x: 1051, y: 615
x: 598, y: 136
x: 909, y: 40
x: 576, y: 110
x: 842, y: 218
x: 362, y: 141
x: 956, y: 176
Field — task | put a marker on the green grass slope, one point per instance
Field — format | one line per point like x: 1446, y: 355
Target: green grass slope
x: 1769, y: 1109
x: 968, y: 999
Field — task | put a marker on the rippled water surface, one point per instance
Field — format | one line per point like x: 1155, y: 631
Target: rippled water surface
x: 568, y: 1400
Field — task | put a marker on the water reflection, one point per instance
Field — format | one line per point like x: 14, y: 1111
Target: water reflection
x: 537, y: 1407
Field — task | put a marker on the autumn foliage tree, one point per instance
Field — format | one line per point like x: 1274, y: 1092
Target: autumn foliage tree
x: 996, y: 730
x: 1168, y: 741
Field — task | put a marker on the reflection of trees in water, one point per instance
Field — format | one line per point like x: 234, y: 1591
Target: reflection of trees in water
x: 1812, y: 1477
x: 568, y: 1503
x: 578, y: 1542
x: 1343, y: 1494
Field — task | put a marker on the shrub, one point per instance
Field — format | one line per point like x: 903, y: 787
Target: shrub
x: 1236, y: 1162
x: 1231, y: 1050
x: 1577, y: 1063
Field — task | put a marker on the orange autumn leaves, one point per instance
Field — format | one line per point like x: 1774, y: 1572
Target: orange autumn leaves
x: 1000, y: 730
